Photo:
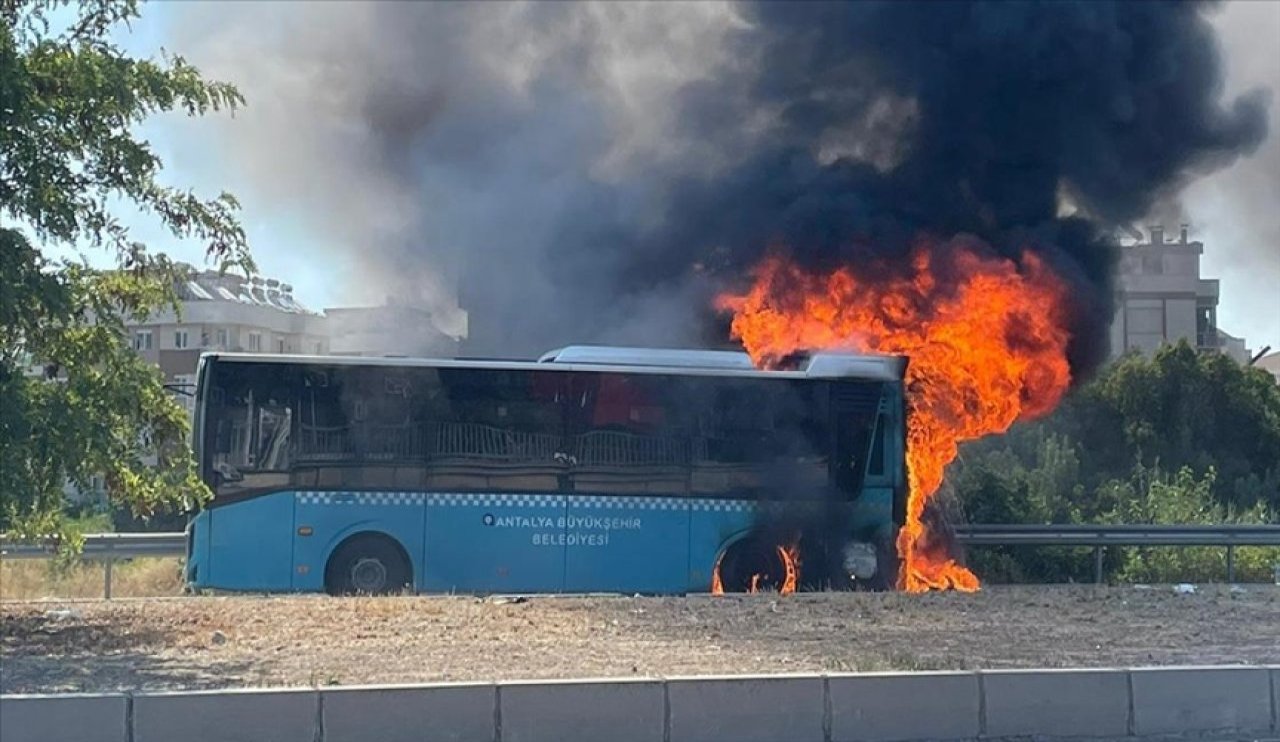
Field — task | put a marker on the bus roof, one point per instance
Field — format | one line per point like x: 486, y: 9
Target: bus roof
x: 599, y: 358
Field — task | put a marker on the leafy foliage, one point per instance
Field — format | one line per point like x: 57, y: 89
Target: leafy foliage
x: 69, y: 100
x: 1181, y: 438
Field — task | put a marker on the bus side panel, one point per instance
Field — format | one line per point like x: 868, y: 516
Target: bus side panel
x: 494, y: 543
x: 251, y: 544
x: 713, y: 524
x: 334, y: 516
x: 198, y: 561
x: 627, y: 544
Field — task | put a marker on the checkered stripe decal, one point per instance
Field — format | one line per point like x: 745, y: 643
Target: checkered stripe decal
x: 724, y: 506
x: 360, y: 498
x: 630, y: 503
x: 496, y: 500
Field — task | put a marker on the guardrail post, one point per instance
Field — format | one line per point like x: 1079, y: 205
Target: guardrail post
x: 1097, y: 564
x: 1231, y: 563
x: 106, y: 574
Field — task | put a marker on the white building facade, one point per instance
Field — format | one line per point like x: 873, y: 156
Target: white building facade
x: 1161, y: 299
x: 230, y: 313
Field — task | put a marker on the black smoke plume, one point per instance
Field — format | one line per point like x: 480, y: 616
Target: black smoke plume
x: 594, y: 172
x: 1000, y: 113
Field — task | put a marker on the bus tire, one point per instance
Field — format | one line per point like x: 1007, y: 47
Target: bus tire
x: 745, y: 558
x: 368, y: 564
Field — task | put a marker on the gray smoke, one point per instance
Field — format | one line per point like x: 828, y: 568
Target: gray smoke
x: 1233, y: 211
x: 592, y: 172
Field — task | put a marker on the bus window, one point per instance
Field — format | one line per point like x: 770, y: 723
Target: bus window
x: 496, y: 430
x: 251, y: 427
x: 854, y: 407
x: 629, y: 434
x: 760, y: 438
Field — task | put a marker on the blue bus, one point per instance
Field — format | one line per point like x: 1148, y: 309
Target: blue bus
x: 591, y: 469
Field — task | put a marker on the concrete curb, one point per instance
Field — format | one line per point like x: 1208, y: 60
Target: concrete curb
x: 1042, y: 704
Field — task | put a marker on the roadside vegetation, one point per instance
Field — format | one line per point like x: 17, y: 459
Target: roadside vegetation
x: 75, y: 401
x: 38, y: 579
x: 1181, y: 438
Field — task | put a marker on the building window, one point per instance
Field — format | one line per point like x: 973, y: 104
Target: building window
x: 142, y: 340
x: 181, y: 339
x: 255, y: 341
x: 1206, y: 330
x: 280, y: 345
x: 1153, y: 264
x: 319, y: 350
x: 222, y: 337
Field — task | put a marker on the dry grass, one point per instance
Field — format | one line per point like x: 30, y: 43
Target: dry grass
x: 36, y: 579
x: 316, y: 640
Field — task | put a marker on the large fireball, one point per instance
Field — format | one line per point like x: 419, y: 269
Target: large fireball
x: 987, y: 342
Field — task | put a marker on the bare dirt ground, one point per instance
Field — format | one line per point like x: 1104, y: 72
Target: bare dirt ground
x: 253, y: 641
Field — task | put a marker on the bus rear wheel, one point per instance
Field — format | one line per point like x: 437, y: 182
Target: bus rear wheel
x: 367, y: 565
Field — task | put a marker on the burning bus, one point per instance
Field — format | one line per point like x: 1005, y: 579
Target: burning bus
x: 593, y: 469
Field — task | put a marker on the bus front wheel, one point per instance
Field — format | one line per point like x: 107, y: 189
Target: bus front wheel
x: 367, y: 565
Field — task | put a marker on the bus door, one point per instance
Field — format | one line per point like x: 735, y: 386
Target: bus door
x: 495, y: 506
x: 627, y: 526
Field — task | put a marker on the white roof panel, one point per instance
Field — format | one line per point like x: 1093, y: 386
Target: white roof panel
x: 347, y: 360
x: 826, y: 365
x: 823, y: 366
x: 850, y: 365
x: 667, y: 357
x: 198, y: 291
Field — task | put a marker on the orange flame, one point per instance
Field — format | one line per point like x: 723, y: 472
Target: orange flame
x: 788, y: 556
x: 987, y: 343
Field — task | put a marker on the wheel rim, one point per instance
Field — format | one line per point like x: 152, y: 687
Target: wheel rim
x: 753, y: 567
x: 369, y: 575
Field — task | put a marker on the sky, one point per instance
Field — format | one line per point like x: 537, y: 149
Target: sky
x: 1235, y: 212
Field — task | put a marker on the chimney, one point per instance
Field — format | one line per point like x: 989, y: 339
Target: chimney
x: 1157, y: 235
x: 1183, y: 234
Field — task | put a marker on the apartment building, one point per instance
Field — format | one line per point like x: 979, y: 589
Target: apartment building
x: 231, y: 313
x: 1271, y: 364
x: 1161, y: 299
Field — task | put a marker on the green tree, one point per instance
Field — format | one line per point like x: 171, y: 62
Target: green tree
x: 70, y: 100
x: 1100, y: 458
x: 1184, y: 408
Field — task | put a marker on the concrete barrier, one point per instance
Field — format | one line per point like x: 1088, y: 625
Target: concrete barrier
x: 460, y: 712
x: 1201, y: 699
x: 892, y: 706
x: 1041, y: 704
x: 67, y: 718
x: 1275, y: 699
x: 227, y: 716
x: 619, y: 711
x: 1072, y: 703
x: 758, y: 708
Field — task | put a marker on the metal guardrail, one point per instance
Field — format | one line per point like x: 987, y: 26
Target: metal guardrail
x: 1101, y: 536
x: 105, y: 548
x: 109, y: 547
